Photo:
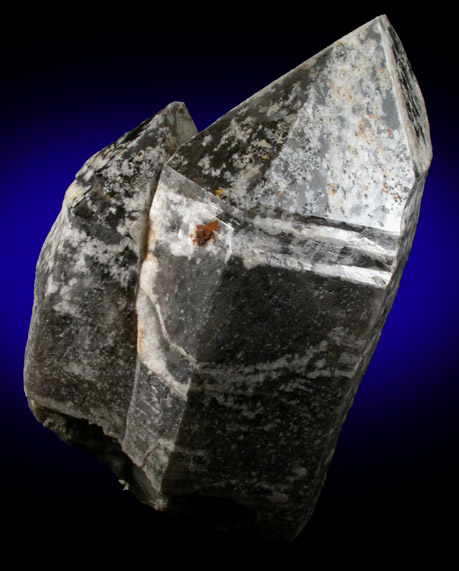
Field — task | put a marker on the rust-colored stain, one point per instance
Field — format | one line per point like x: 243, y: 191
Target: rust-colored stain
x: 205, y: 232
x: 362, y: 127
x: 218, y: 191
x: 385, y: 188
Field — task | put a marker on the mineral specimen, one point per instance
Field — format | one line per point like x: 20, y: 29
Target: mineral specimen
x: 207, y: 344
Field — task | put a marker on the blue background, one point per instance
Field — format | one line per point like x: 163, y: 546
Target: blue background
x: 71, y: 88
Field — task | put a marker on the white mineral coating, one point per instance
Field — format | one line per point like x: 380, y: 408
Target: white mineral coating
x: 207, y: 344
x: 81, y: 351
x: 277, y: 241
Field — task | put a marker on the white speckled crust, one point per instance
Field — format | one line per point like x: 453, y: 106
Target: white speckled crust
x: 258, y: 334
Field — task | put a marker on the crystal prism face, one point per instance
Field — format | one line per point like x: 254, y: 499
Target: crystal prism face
x: 207, y: 303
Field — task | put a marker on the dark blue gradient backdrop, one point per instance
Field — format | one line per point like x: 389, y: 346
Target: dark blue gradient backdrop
x: 68, y: 92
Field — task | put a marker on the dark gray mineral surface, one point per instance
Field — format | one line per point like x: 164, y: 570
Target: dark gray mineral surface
x: 206, y: 304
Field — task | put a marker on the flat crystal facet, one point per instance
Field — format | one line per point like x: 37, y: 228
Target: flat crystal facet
x: 274, y: 247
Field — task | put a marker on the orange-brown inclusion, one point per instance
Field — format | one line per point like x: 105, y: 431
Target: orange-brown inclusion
x: 205, y: 232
